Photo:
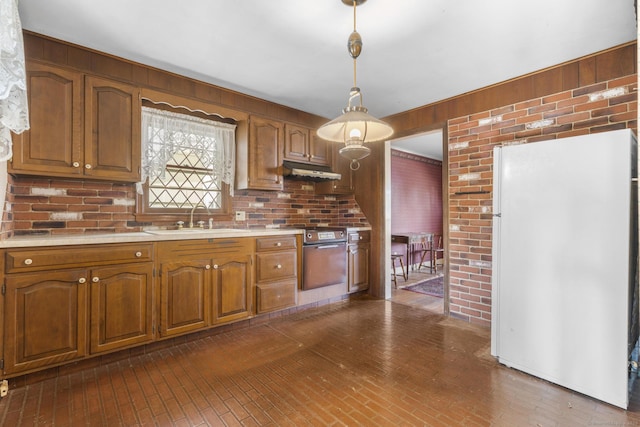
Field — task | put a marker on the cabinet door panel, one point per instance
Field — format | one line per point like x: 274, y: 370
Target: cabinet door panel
x: 296, y: 143
x: 54, y: 141
x: 358, y: 257
x: 342, y: 166
x: 265, y: 154
x: 184, y: 297
x: 112, y: 130
x: 121, y: 306
x: 231, y: 287
x: 319, y: 152
x: 45, y: 319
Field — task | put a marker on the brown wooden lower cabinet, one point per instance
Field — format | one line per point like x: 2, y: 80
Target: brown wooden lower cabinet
x: 45, y: 319
x: 358, y: 249
x: 63, y: 304
x: 184, y: 296
x: 276, y: 273
x: 121, y: 306
x: 66, y: 303
x: 204, y: 283
x: 232, y: 297
x: 276, y: 296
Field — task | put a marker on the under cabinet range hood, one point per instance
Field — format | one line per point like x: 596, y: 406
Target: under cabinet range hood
x: 308, y: 172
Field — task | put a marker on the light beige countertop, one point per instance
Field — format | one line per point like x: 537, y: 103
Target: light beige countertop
x: 360, y: 228
x: 143, y: 236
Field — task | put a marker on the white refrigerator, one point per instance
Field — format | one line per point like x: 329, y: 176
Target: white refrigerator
x: 565, y: 256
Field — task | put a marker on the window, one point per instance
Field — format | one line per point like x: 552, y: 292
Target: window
x: 187, y: 161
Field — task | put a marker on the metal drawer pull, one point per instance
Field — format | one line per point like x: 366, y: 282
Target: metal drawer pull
x: 95, y: 279
x: 138, y: 254
x: 279, y: 266
x: 279, y: 244
x: 28, y: 261
x: 82, y: 280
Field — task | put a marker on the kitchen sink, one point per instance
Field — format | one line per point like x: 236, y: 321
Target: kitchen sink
x: 202, y: 231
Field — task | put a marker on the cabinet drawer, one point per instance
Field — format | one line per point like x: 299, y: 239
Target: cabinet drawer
x: 197, y: 248
x: 276, y: 265
x: 276, y: 296
x: 359, y: 236
x: 275, y: 243
x: 63, y: 257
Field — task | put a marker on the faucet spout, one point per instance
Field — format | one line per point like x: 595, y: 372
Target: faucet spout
x: 193, y: 208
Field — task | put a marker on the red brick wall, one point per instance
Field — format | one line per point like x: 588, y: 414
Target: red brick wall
x: 66, y: 206
x: 416, y: 195
x: 598, y: 108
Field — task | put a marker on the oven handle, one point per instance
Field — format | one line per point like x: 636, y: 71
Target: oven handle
x: 325, y: 246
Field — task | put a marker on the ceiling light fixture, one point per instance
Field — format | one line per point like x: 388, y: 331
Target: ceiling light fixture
x: 355, y: 127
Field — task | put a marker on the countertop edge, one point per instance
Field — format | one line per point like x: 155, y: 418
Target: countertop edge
x: 360, y: 228
x: 137, y: 237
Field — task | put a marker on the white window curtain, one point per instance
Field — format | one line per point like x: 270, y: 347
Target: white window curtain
x: 164, y: 132
x: 14, y: 113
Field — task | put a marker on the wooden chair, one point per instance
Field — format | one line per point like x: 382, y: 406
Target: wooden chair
x: 438, y: 250
x: 428, y: 249
x: 395, y: 257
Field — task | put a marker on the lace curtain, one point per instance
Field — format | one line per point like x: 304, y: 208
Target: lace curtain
x: 14, y: 113
x: 164, y: 133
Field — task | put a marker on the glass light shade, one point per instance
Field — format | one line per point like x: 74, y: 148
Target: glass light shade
x: 354, y: 151
x: 353, y: 120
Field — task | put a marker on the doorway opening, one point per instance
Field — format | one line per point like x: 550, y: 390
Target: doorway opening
x: 415, y: 219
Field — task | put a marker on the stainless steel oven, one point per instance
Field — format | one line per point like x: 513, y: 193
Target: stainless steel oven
x: 324, y: 257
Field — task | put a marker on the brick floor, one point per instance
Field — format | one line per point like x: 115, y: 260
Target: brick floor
x: 359, y: 362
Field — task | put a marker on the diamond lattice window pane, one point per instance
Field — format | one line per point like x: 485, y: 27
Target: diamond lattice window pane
x: 190, y: 175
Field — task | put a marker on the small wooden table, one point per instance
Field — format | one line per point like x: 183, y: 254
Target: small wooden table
x: 411, y: 239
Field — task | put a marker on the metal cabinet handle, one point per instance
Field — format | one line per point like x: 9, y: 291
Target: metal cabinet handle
x: 279, y: 244
x: 28, y: 261
x: 95, y: 279
x: 82, y: 280
x: 207, y: 267
x: 215, y: 266
x: 87, y: 166
x: 138, y: 254
x: 279, y: 266
x: 76, y: 164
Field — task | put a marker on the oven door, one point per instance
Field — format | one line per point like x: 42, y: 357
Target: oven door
x: 324, y: 265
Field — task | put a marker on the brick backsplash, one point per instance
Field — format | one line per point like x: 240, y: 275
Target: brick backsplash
x: 52, y: 206
x: 601, y: 107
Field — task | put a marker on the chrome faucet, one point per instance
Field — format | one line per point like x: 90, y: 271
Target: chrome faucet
x: 193, y: 209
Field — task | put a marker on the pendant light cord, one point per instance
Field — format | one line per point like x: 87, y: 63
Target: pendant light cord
x: 355, y: 57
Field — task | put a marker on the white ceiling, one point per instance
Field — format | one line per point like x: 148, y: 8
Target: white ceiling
x: 294, y: 53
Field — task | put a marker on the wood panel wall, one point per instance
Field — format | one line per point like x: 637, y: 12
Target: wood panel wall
x: 42, y: 48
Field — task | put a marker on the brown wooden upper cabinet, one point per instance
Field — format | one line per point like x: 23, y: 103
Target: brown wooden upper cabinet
x: 259, y: 154
x: 339, y: 165
x: 81, y: 126
x: 301, y: 144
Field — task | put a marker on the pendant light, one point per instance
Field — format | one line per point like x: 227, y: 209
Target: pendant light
x: 355, y: 127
